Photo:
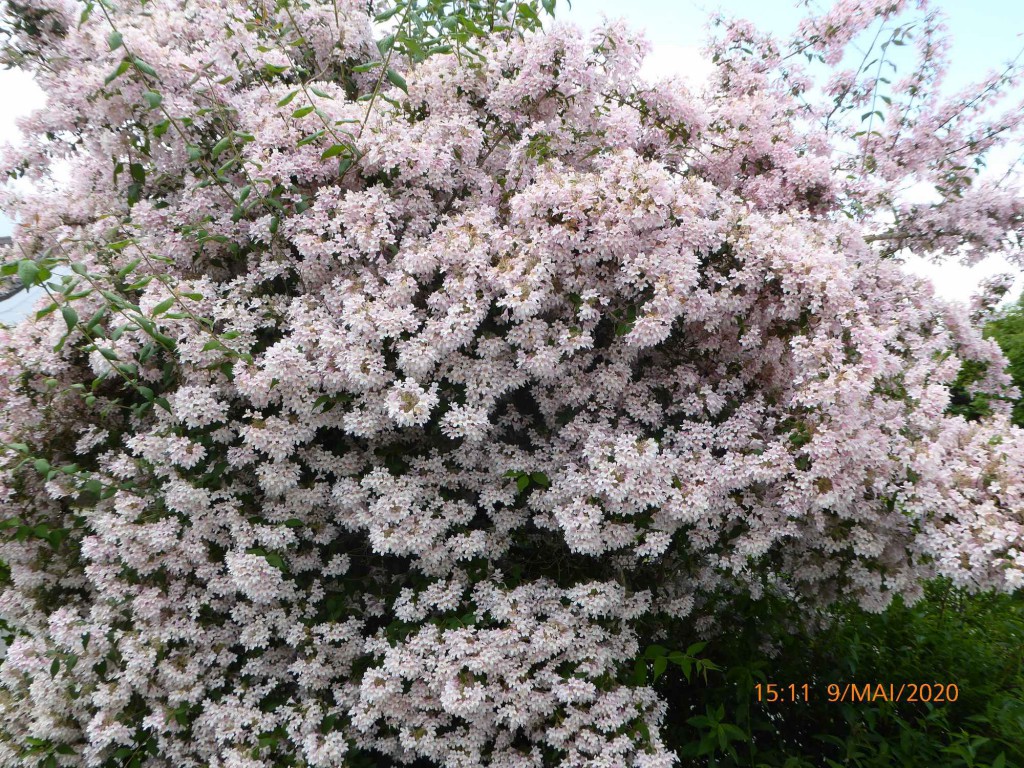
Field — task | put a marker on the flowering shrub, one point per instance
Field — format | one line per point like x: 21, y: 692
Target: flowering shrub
x: 415, y: 398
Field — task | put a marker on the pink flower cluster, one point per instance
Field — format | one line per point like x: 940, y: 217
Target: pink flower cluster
x: 400, y: 426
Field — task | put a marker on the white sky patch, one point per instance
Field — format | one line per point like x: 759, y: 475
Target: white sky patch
x: 685, y: 61
x: 956, y: 282
x: 20, y: 96
x: 921, y: 193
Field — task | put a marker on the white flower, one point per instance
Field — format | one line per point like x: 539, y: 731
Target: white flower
x: 409, y: 404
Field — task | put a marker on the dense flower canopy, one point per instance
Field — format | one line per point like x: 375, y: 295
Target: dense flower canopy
x: 394, y: 399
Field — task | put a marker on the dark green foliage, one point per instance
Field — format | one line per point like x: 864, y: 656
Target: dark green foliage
x: 1007, y: 329
x: 965, y: 402
x: 1008, y: 332
x: 974, y: 642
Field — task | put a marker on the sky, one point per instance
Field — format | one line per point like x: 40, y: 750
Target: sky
x: 986, y: 33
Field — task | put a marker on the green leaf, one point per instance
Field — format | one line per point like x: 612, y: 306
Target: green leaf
x: 540, y: 479
x: 164, y: 341
x: 163, y: 306
x: 696, y: 648
x: 276, y: 560
x: 144, y: 67
x: 224, y: 168
x: 523, y: 483
x: 127, y: 268
x: 121, y: 69
x: 687, y: 668
x: 397, y: 80
x: 302, y: 111
x: 287, y: 99
x: 308, y: 140
x: 220, y: 146
x: 380, y: 18
x: 655, y: 651
x: 660, y: 665
x: 640, y: 672
x: 114, y: 40
x: 734, y: 733
x: 152, y: 99
x: 141, y: 283
x: 320, y: 93
x: 334, y: 150
x: 28, y: 272
x: 70, y: 317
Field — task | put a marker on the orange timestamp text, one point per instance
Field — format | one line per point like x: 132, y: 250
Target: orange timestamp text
x: 937, y: 693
